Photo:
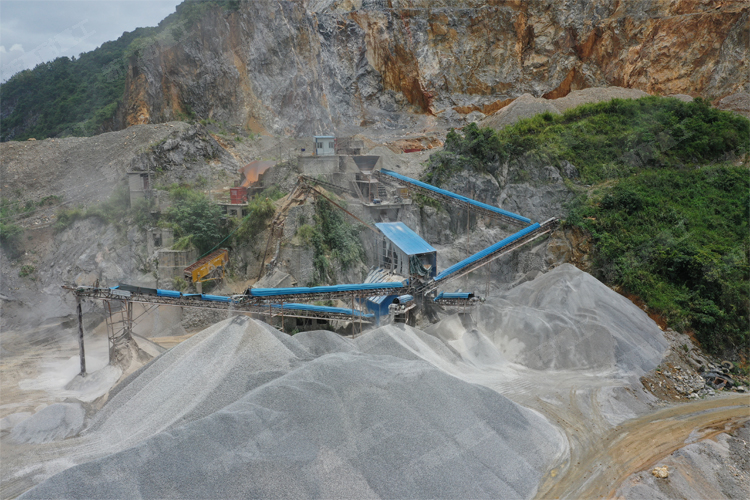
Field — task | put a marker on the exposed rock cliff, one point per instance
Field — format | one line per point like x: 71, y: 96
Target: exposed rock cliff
x: 307, y: 66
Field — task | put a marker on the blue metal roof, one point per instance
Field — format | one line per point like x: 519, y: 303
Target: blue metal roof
x: 454, y: 195
x: 490, y: 249
x: 404, y: 238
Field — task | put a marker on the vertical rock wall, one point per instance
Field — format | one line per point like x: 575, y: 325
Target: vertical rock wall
x: 303, y: 67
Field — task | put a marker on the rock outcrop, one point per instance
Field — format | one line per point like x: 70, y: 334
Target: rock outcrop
x: 322, y: 65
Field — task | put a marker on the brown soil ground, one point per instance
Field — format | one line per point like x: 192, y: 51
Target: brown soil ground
x: 642, y: 442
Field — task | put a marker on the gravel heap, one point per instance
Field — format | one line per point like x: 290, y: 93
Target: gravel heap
x: 52, y: 423
x: 567, y: 319
x: 242, y: 410
x: 527, y: 105
x: 522, y: 107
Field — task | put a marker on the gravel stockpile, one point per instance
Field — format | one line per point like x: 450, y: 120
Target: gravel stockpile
x: 241, y: 410
x: 54, y: 422
x: 593, y: 95
x: 524, y: 106
x: 205, y: 373
x: 527, y: 105
x: 567, y: 319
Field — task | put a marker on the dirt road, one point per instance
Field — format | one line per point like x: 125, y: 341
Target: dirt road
x: 639, y: 443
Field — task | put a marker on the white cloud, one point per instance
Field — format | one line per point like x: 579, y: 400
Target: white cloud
x: 16, y: 47
x: 2, y: 49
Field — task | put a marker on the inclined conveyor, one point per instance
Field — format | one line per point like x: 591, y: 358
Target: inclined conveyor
x: 457, y: 199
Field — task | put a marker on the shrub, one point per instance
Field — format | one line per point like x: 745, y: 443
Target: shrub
x: 26, y: 270
x: 179, y: 284
x: 679, y: 239
x: 194, y: 215
x: 604, y: 140
x: 333, y: 239
x: 260, y: 211
x: 67, y: 216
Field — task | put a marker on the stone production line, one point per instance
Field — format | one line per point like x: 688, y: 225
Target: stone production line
x: 280, y: 302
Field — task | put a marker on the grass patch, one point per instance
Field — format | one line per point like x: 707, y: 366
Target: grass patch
x: 26, y: 271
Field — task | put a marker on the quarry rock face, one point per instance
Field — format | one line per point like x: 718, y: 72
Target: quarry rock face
x: 322, y: 65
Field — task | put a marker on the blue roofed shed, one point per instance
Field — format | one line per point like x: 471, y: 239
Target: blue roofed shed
x: 404, y: 252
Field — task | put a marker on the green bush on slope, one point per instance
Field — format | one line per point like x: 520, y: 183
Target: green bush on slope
x: 605, y: 140
x: 193, y: 214
x: 672, y: 223
x: 333, y: 239
x: 679, y: 239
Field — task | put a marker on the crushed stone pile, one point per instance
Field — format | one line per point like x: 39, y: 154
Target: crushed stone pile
x: 242, y: 410
x: 567, y: 319
x: 522, y: 107
x: 527, y: 105
x: 52, y: 423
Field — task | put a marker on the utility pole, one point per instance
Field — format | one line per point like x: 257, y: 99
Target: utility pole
x: 80, y: 337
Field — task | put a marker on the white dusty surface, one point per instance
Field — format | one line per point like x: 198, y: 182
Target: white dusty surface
x: 487, y: 411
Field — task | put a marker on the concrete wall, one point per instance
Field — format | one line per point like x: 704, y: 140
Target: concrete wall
x: 157, y: 238
x: 314, y: 165
x: 135, y: 186
x: 172, y: 263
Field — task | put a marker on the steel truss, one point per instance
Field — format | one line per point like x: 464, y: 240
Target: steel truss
x: 458, y: 302
x: 265, y: 307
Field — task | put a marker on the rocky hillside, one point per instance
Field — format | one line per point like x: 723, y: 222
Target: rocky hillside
x: 316, y: 65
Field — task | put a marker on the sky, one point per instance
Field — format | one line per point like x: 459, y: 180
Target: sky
x: 35, y: 31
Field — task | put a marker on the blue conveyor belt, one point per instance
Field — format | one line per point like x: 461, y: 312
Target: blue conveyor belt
x: 302, y: 290
x: 456, y: 295
x: 455, y: 196
x: 487, y: 251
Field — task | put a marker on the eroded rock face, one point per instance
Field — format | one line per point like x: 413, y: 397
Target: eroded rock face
x: 322, y: 65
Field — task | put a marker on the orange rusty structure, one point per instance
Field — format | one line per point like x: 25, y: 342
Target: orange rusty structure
x: 208, y: 268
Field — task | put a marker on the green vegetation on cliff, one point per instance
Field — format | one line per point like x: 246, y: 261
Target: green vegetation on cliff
x: 666, y: 212
x: 67, y: 97
x: 79, y: 96
x: 606, y: 140
x: 678, y: 239
x: 195, y: 218
x: 334, y: 240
